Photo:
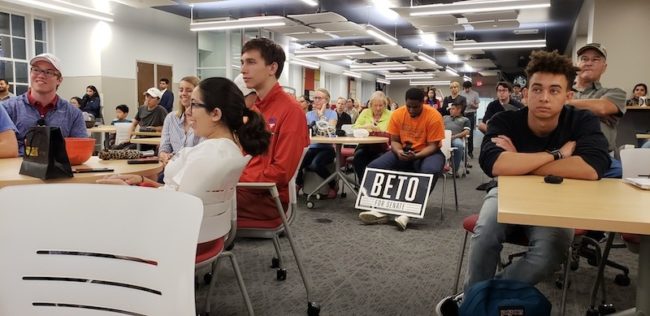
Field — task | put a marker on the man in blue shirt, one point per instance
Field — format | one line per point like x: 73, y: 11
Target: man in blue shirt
x: 40, y: 105
x: 8, y: 143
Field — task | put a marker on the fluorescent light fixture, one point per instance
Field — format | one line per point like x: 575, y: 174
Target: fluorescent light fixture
x: 451, y: 71
x: 311, y: 2
x: 526, y: 31
x: 372, y: 67
x: 405, y: 76
x: 329, y: 54
x: 466, y: 78
x: 384, y: 81
x: 461, y: 7
x: 305, y: 63
x: 468, y: 68
x: 383, y: 7
x: 351, y: 74
x: 252, y: 22
x: 430, y: 83
x: 424, y: 57
x: 330, y: 49
x: 499, y: 45
x: 70, y: 8
x: 430, y: 38
x: 453, y: 57
x: 381, y: 35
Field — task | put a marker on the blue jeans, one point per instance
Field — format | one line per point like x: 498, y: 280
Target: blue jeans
x: 459, y: 153
x: 317, y: 160
x: 432, y: 164
x: 547, y: 248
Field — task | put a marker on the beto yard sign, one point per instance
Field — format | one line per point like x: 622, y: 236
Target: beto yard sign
x: 394, y: 192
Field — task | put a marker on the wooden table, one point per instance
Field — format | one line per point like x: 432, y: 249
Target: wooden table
x: 338, y: 142
x: 103, y: 129
x: 607, y: 205
x: 10, y: 167
x: 155, y: 134
x: 146, y: 141
x: 643, y: 136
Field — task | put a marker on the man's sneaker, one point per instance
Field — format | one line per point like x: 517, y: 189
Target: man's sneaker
x: 450, y: 305
x: 402, y: 221
x: 373, y: 217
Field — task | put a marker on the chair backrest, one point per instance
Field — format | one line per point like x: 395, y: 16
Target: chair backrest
x: 446, y: 144
x: 122, y: 132
x: 635, y: 162
x: 215, y: 182
x: 65, y: 254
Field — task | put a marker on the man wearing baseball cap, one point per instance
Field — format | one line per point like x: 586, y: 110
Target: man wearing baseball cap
x: 40, y: 105
x: 606, y: 103
x: 151, y: 115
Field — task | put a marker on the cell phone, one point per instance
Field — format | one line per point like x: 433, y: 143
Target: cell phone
x: 140, y: 161
x: 87, y: 170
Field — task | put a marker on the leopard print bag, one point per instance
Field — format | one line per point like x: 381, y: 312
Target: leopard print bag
x: 115, y: 154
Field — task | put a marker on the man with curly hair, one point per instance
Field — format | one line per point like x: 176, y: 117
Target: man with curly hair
x: 548, y: 137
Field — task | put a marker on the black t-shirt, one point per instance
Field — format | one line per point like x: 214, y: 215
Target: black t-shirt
x: 495, y: 107
x: 444, y: 109
x: 576, y: 125
x: 343, y: 118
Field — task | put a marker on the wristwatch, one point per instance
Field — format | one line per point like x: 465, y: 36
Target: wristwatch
x: 557, y: 155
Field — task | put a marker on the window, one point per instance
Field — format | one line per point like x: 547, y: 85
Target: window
x: 15, y: 51
x: 40, y: 37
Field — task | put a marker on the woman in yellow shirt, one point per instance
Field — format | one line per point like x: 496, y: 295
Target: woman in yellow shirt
x: 375, y: 120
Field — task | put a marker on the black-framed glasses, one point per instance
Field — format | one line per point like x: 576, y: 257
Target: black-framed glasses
x: 45, y: 72
x: 195, y: 104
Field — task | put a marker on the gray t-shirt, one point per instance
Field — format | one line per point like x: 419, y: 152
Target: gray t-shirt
x: 155, y: 117
x: 472, y: 100
x: 456, y: 124
x: 616, y: 96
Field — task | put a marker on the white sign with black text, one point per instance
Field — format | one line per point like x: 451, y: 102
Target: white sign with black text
x: 394, y: 192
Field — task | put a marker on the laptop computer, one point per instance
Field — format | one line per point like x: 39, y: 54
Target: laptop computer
x: 643, y: 183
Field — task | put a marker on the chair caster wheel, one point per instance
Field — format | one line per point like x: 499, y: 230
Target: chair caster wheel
x: 318, y: 196
x: 313, y: 309
x: 281, y: 274
x: 231, y: 246
x: 207, y: 278
x: 592, y: 262
x: 605, y: 309
x: 343, y: 195
x: 275, y: 263
x: 310, y: 204
x: 622, y: 280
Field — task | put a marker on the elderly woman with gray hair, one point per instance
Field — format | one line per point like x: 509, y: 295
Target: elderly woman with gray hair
x: 375, y: 120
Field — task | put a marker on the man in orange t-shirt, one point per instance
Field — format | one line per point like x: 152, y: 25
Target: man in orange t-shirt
x: 416, y: 132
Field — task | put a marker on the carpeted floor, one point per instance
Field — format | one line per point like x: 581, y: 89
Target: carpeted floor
x: 379, y: 270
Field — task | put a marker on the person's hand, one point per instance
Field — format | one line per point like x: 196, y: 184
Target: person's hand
x: 568, y: 148
x: 121, y: 179
x: 164, y: 157
x: 504, y: 142
x: 406, y: 155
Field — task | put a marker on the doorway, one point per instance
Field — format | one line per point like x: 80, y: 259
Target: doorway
x: 148, y: 75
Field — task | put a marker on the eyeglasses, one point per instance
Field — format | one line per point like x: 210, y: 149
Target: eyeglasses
x: 45, y: 72
x: 195, y: 104
x: 503, y: 90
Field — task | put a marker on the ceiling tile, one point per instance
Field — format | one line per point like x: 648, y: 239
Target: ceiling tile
x: 284, y: 29
x: 498, y: 25
x: 491, y: 16
x: 326, y: 17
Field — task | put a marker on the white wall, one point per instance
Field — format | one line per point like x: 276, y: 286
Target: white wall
x: 622, y: 27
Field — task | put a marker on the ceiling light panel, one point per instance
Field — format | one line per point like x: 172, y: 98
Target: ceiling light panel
x: 491, y: 16
x: 311, y: 37
x: 463, y: 46
x: 351, y: 74
x: 429, y: 82
x: 338, y: 26
x: 251, y: 22
x: 462, y: 7
x: 326, y: 17
x: 290, y: 29
x: 495, y: 25
x: 381, y: 35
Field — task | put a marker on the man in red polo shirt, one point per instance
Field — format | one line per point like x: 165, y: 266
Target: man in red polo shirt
x: 40, y: 105
x: 262, y: 62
